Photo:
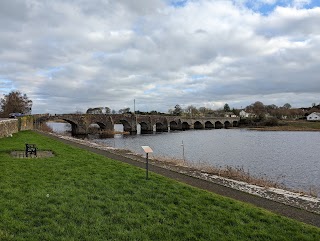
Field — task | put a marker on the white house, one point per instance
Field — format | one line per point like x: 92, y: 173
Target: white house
x: 229, y: 114
x: 315, y: 116
x: 243, y: 114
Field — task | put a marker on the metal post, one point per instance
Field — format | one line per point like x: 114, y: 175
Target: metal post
x: 147, y: 166
x: 147, y: 150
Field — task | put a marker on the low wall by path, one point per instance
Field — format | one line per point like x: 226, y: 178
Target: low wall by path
x: 11, y: 126
x: 25, y: 123
x: 8, y: 127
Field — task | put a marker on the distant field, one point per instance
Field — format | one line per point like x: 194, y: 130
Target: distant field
x: 304, y: 124
x: 78, y: 195
x: 301, y: 125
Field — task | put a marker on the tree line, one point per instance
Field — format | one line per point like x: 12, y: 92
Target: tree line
x: 16, y: 102
x: 106, y: 110
x: 256, y: 110
x: 192, y: 111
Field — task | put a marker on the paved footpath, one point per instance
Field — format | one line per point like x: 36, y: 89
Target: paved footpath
x: 275, y: 207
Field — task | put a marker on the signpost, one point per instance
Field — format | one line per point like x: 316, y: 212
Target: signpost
x: 147, y: 150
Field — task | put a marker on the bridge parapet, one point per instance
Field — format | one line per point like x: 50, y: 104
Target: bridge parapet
x: 80, y: 122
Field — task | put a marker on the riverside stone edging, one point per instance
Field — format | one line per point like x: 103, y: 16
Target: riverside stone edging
x: 298, y: 200
x: 306, y: 202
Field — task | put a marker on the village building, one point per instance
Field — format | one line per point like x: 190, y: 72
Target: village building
x: 315, y: 116
x: 244, y: 114
x: 230, y: 114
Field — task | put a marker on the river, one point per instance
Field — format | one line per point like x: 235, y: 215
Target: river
x: 291, y: 158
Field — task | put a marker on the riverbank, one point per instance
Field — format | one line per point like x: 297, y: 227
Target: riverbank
x: 77, y: 194
x: 299, y: 200
x: 300, y: 125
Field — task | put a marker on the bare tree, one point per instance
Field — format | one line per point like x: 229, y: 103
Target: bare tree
x: 258, y: 109
x: 124, y: 111
x: 177, y: 110
x: 15, y: 102
x: 203, y: 110
x: 191, y: 111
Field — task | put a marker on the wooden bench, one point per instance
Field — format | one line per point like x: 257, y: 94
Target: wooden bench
x: 31, y: 149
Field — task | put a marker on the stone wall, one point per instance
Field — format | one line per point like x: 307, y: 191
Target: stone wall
x: 25, y: 123
x: 8, y: 127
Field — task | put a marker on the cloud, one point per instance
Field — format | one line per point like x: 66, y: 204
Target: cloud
x: 71, y: 55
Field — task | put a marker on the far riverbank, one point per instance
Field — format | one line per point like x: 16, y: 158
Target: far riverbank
x: 286, y: 125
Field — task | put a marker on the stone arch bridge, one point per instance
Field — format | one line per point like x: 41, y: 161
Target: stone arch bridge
x: 80, y: 122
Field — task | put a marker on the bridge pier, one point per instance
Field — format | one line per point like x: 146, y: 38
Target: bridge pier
x: 78, y: 125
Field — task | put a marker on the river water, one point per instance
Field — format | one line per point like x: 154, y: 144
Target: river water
x: 290, y: 158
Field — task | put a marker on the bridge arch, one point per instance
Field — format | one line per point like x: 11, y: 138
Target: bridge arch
x: 74, y: 126
x: 235, y: 123
x: 227, y: 124
x: 101, y: 125
x: 126, y: 125
x: 198, y: 125
x: 218, y: 125
x: 160, y: 127
x: 97, y: 124
x: 173, y: 125
x: 94, y: 128
x: 145, y: 128
x: 208, y: 125
x: 185, y: 126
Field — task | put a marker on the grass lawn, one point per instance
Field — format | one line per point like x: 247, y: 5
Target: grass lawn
x: 78, y: 195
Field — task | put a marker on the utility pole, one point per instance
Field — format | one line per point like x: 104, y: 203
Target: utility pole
x: 183, y: 151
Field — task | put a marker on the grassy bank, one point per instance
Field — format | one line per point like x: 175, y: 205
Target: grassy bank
x: 78, y: 195
x: 299, y: 125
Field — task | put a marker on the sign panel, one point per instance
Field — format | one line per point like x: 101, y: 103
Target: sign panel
x: 147, y: 149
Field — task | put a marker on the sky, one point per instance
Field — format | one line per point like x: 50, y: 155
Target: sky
x: 71, y: 55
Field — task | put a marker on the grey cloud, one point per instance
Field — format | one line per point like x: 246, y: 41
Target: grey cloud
x: 76, y: 54
x: 13, y: 12
x: 291, y: 22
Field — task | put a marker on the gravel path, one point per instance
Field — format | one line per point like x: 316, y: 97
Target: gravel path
x: 275, y: 207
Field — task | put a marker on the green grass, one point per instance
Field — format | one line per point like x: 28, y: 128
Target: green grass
x: 95, y: 198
